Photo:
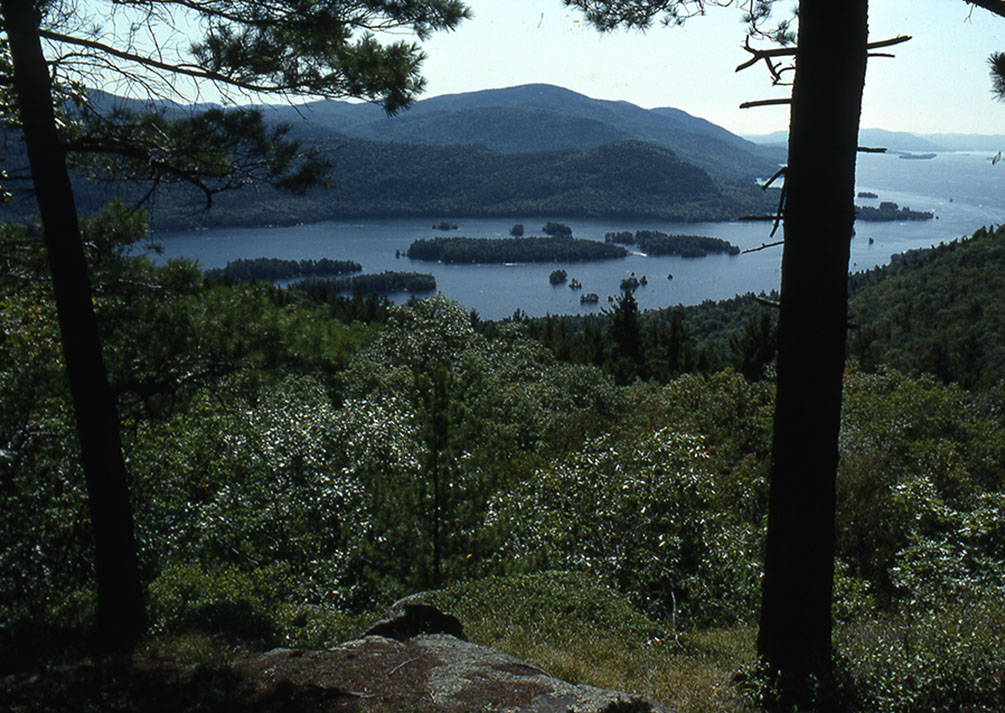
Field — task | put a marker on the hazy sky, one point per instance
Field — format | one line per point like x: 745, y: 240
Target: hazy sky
x: 938, y: 82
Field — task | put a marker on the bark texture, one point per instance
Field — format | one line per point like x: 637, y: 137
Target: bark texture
x: 121, y: 613
x: 795, y: 627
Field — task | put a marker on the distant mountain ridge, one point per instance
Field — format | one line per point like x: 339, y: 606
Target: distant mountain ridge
x: 906, y: 141
x: 541, y: 117
x: 532, y: 150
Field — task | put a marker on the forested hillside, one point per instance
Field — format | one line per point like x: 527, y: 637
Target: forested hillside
x: 541, y: 117
x: 535, y: 150
x: 940, y: 311
x: 299, y: 459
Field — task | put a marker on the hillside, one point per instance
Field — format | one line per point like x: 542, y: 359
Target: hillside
x: 627, y: 178
x: 938, y: 311
x: 542, y: 117
x: 531, y: 150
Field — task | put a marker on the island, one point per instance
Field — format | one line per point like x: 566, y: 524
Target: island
x: 653, y: 242
x: 272, y: 268
x: 889, y: 211
x: 867, y: 194
x: 496, y: 250
x: 384, y: 283
x: 556, y: 229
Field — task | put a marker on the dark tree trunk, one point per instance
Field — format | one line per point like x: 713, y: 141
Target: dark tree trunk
x: 121, y: 615
x: 795, y: 627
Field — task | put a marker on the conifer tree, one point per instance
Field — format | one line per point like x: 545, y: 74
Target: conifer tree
x: 286, y: 47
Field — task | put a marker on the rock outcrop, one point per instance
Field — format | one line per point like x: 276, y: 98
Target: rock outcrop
x: 398, y: 664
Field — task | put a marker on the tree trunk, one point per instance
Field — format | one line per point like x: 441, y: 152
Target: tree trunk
x: 795, y: 628
x: 120, y: 615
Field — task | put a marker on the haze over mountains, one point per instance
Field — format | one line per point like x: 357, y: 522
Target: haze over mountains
x: 905, y: 141
x: 540, y: 117
x: 528, y: 151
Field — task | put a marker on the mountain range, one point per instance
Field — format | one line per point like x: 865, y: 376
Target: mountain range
x: 535, y: 150
x: 903, y: 141
x: 535, y: 118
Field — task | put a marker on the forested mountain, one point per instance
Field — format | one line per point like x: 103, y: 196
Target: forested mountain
x: 534, y: 149
x: 371, y: 178
x: 938, y: 311
x: 300, y: 459
x: 542, y: 117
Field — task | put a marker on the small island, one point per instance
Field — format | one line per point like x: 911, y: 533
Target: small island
x: 889, y: 211
x: 272, y: 268
x: 556, y: 229
x: 383, y: 283
x: 867, y: 194
x: 653, y: 242
x: 496, y: 250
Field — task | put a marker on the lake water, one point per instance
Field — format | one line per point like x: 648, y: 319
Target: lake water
x: 964, y: 190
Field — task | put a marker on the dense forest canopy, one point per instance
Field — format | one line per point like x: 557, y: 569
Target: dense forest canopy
x: 474, y: 250
x: 275, y: 433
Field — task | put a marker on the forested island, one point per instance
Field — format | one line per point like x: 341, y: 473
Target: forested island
x: 494, y: 250
x: 382, y: 283
x: 271, y: 269
x: 235, y: 436
x: 890, y: 211
x: 653, y: 242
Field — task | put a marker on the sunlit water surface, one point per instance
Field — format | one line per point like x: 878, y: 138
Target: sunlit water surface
x: 964, y: 190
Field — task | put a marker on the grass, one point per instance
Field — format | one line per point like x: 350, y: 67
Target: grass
x: 583, y: 632
x: 950, y: 659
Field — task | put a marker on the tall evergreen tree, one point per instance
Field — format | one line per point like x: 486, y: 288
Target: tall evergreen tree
x: 830, y: 60
x: 288, y: 47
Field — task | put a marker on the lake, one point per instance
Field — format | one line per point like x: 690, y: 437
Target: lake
x: 964, y: 190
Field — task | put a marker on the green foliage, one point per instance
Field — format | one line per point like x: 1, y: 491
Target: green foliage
x: 943, y: 659
x: 468, y: 417
x: 225, y: 602
x: 626, y: 179
x: 292, y: 473
x: 270, y: 269
x: 381, y: 283
x: 554, y: 229
x: 889, y: 211
x: 653, y: 242
x: 920, y: 490
x: 643, y: 515
x: 937, y: 311
x: 472, y: 250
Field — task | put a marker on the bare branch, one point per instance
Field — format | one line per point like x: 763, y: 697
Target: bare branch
x: 759, y: 54
x: 898, y: 40
x: 870, y: 149
x: 766, y: 102
x: 995, y: 6
x: 778, y: 174
x: 184, y: 69
x: 764, y: 246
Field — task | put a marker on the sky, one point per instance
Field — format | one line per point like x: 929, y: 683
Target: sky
x: 938, y: 82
